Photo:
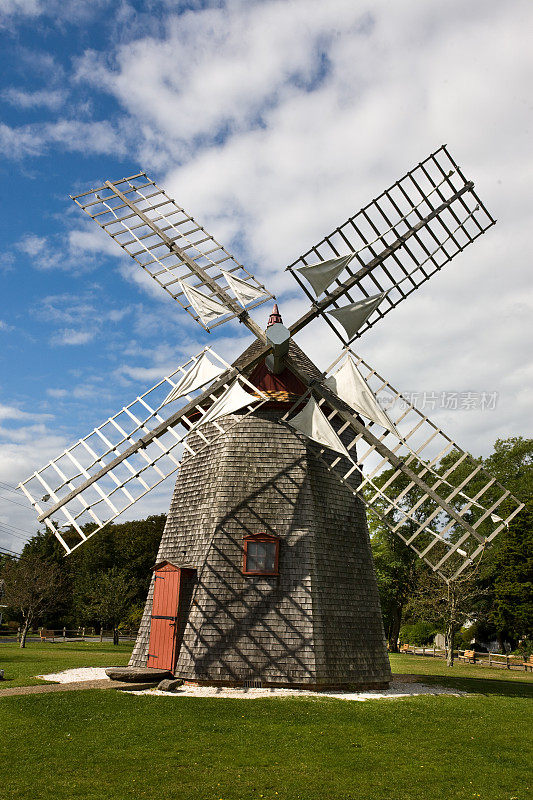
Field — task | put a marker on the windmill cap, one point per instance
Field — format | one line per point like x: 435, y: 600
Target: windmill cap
x: 275, y: 317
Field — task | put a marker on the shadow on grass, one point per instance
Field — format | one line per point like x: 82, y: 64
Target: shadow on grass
x: 487, y: 686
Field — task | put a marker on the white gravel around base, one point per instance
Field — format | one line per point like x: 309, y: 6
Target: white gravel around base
x: 397, y: 689
x: 75, y: 675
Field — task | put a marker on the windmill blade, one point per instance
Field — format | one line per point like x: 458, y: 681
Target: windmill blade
x: 132, y: 452
x: 391, y: 247
x: 425, y: 488
x: 174, y: 249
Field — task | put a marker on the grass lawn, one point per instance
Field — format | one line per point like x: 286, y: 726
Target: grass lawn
x: 40, y: 659
x: 102, y: 745
x: 466, y: 677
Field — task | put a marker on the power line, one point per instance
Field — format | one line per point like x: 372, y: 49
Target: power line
x: 4, y: 551
x: 22, y: 530
x: 8, y: 532
x: 10, y: 488
x: 9, y: 500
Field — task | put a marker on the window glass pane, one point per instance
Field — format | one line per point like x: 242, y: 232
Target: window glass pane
x: 261, y: 556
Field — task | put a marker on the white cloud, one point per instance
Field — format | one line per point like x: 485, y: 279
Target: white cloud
x: 13, y: 413
x: 32, y: 245
x: 75, y: 136
x: 40, y: 98
x: 74, y: 11
x: 69, y: 336
x: 4, y: 326
x: 27, y: 8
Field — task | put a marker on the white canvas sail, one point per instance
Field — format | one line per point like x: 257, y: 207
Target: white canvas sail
x: 206, y: 307
x: 243, y: 291
x: 233, y: 399
x: 350, y: 386
x: 204, y: 371
x: 321, y: 275
x: 353, y: 316
x: 312, y: 423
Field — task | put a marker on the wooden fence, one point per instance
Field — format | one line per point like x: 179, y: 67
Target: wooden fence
x: 79, y: 634
x: 482, y: 659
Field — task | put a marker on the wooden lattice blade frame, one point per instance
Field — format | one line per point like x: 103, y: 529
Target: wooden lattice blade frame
x: 432, y: 494
x: 105, y: 473
x: 399, y: 240
x: 168, y: 243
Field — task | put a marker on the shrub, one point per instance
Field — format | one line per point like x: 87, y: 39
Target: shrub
x: 418, y: 633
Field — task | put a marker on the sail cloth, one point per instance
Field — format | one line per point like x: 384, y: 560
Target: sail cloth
x: 202, y: 372
x: 321, y: 275
x: 312, y: 423
x: 206, y: 307
x: 243, y: 291
x: 350, y: 386
x: 233, y: 399
x: 353, y: 316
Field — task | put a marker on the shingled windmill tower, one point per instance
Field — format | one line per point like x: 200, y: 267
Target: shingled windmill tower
x: 264, y: 572
x: 279, y: 579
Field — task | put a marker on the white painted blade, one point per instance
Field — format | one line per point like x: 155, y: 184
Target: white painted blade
x: 321, y: 275
x: 243, y: 291
x: 206, y: 307
x: 233, y: 399
x: 204, y: 371
x: 352, y: 317
x: 312, y: 423
x: 350, y: 386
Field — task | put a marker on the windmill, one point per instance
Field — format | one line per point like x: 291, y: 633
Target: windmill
x: 264, y: 572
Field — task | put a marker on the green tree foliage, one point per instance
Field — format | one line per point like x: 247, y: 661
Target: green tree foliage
x: 418, y: 633
x: 129, y: 548
x: 397, y: 566
x: 104, y: 597
x: 34, y: 587
x: 507, y: 570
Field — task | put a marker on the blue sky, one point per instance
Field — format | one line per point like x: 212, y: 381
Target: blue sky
x: 271, y: 122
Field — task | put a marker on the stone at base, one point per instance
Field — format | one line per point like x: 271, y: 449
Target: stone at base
x: 138, y: 674
x: 169, y: 685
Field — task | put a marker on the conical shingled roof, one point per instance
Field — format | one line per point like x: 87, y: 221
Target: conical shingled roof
x: 296, y: 354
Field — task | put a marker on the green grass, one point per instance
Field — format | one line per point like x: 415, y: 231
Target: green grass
x: 97, y: 744
x: 103, y: 744
x: 466, y: 677
x: 21, y: 665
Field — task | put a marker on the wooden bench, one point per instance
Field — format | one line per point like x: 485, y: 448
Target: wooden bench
x: 469, y: 656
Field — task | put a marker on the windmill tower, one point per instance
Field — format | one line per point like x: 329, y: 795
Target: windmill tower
x: 264, y: 572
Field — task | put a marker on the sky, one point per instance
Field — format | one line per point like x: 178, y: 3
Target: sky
x: 271, y: 122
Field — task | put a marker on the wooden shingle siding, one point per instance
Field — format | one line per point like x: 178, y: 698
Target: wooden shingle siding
x: 318, y: 622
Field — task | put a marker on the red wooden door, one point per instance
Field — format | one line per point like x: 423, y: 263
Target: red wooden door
x: 163, y: 629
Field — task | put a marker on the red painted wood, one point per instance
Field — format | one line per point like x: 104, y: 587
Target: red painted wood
x: 162, y: 646
x: 286, y: 381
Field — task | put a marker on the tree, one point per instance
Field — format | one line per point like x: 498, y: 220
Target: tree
x: 508, y: 566
x: 105, y: 598
x: 33, y: 587
x: 446, y: 606
x: 396, y: 575
x: 396, y: 564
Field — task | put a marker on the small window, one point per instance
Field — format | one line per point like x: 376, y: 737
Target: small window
x: 261, y: 555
